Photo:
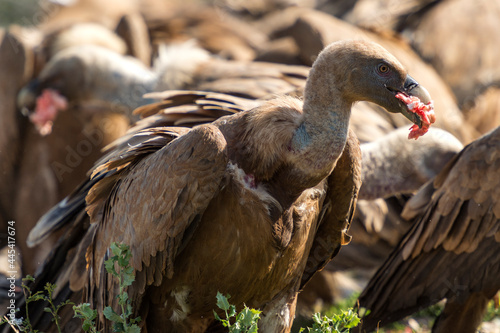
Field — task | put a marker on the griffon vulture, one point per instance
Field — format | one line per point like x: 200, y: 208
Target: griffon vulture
x: 251, y: 205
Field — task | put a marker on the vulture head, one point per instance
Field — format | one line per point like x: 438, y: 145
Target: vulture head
x: 43, y: 97
x: 84, y: 75
x: 373, y: 74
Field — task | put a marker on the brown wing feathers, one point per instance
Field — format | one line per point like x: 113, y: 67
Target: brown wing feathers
x: 180, y: 193
x: 452, y: 249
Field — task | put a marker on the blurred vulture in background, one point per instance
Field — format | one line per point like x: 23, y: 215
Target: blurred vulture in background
x: 484, y: 112
x: 451, y: 252
x: 15, y: 70
x: 464, y: 45
x: 90, y: 76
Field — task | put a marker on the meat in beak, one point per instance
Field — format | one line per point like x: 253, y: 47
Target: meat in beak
x: 413, y: 89
x: 416, y: 105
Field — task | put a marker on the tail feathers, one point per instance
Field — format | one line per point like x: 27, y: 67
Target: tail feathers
x: 56, y: 270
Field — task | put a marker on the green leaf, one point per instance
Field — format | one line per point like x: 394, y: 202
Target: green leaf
x: 253, y: 329
x: 363, y: 312
x: 127, y: 279
x: 222, y: 301
x: 132, y: 329
x: 28, y: 278
x: 86, y: 326
x: 110, y: 267
x: 232, y: 311
x: 247, y: 317
x: 85, y: 312
x: 116, y: 249
x: 111, y: 315
x: 122, y: 298
x: 118, y: 327
x: 39, y: 296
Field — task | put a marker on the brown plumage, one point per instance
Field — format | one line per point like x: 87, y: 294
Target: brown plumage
x: 384, y: 14
x: 393, y: 170
x: 108, y: 14
x: 75, y: 34
x: 16, y: 64
x: 251, y: 205
x: 452, y: 250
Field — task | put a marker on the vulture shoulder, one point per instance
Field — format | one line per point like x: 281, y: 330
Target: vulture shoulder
x: 188, y: 173
x: 178, y: 178
x: 452, y: 249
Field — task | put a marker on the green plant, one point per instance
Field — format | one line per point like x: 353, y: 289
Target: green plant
x: 118, y: 266
x: 24, y: 325
x: 343, y: 305
x: 53, y: 309
x: 337, y: 323
x: 245, y: 321
x: 493, y: 310
x: 85, y: 312
x: 121, y: 323
x: 125, y: 275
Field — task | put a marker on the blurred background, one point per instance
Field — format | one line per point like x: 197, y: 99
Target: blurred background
x: 17, y: 11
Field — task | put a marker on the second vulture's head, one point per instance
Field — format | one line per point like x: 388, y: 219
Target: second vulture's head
x: 368, y: 72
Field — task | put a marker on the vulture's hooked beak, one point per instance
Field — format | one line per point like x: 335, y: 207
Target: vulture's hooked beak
x: 26, y: 98
x: 411, y: 88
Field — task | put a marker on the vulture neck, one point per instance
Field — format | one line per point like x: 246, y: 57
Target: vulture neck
x: 319, y: 140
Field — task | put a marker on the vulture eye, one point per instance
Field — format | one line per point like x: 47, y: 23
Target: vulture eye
x: 383, y: 69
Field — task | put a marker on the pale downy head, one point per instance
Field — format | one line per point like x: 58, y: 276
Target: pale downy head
x: 369, y: 73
